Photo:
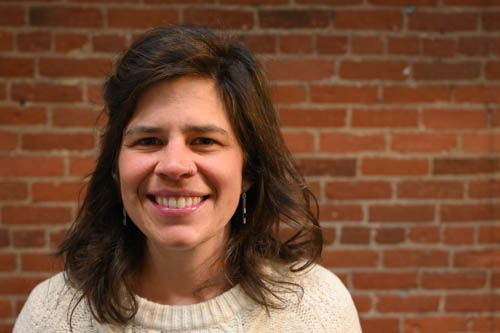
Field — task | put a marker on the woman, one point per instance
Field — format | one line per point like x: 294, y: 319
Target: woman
x: 182, y: 226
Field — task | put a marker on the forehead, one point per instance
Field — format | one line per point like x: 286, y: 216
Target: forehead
x: 187, y: 99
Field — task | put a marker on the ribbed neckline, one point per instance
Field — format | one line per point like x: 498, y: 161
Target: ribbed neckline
x: 195, y: 316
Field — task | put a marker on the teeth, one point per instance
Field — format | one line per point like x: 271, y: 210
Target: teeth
x: 178, y: 202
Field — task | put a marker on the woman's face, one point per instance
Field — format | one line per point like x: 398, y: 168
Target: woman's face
x: 180, y: 166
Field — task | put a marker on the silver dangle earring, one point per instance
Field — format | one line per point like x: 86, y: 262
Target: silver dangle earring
x: 124, y: 217
x: 244, y: 199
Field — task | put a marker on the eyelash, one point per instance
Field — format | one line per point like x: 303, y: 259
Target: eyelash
x: 152, y: 141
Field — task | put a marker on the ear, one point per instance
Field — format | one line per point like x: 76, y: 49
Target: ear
x: 247, y: 184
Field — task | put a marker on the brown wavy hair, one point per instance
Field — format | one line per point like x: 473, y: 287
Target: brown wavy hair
x: 101, y: 255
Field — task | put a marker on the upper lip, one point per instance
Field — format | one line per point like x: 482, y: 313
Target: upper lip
x: 182, y: 193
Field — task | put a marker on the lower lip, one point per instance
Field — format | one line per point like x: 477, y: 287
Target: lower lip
x: 166, y: 211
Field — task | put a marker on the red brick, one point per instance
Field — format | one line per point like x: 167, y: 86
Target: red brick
x: 5, y: 309
x: 18, y: 285
x: 12, y: 16
x: 495, y: 118
x: 489, y: 235
x: 77, y: 117
x: 407, y: 304
x: 109, y: 43
x: 474, y: 46
x: 53, y: 192
x: 441, y: 22
x: 343, y: 143
x: 462, y: 280
x: 394, y: 167
x: 6, y: 41
x: 65, y: 17
x: 245, y: 2
x: 37, y: 41
x: 446, y: 71
x: 477, y: 94
x: 60, y: 67
x: 40, y: 263
x: 367, y: 45
x: 470, y: 212
x: 330, y: 2
x: 424, y: 235
x: 384, y: 118
x: 463, y: 166
x: 373, y: 70
x: 481, y: 143
x: 485, y: 325
x: 405, y: 3
x: 331, y: 44
x: 304, y: 69
x: 390, y: 235
x: 94, y: 94
x: 3, y: 92
x: 399, y: 213
x: 362, y: 303
x: 288, y: 94
x: 377, y: 325
x: 49, y: 141
x: 286, y: 19
x: 13, y: 191
x: 495, y: 280
x: 340, y: 213
x: 299, y: 142
x: 472, y: 303
x: 128, y: 18
x: 313, y: 118
x: 350, y: 258
x: 478, y: 259
x: 484, y: 189
x: 222, y: 19
x: 359, y: 190
x: 459, y: 236
x: 81, y: 166
x: 490, y: 20
x: 368, y: 20
x: 26, y: 215
x: 46, y: 92
x: 472, y: 3
x: 4, y: 238
x: 27, y: 166
x: 438, y: 47
x: 455, y: 119
x: 415, y: 258
x: 495, y: 46
x: 15, y: 116
x: 420, y: 94
x: 29, y: 238
x: 56, y: 237
x: 16, y: 67
x: 355, y: 235
x: 69, y: 42
x: 384, y: 281
x: 297, y: 44
x: 343, y: 94
x: 8, y: 141
x: 327, y: 167
x: 423, y: 142
x: 403, y: 45
x: 261, y: 43
x: 432, y: 325
x: 492, y: 70
x: 8, y: 262
x: 430, y: 190
x: 329, y: 235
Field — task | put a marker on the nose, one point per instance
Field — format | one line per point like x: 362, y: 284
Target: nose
x: 175, y: 161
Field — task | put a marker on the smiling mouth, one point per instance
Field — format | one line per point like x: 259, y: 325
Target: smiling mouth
x: 177, y: 202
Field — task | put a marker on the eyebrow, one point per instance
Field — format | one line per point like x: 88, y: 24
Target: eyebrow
x: 186, y: 129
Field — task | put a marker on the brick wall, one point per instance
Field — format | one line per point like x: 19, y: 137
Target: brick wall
x: 390, y: 106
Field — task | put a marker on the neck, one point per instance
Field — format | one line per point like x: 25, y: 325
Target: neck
x: 181, y: 277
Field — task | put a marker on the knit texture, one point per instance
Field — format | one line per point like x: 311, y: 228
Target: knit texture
x: 325, y: 306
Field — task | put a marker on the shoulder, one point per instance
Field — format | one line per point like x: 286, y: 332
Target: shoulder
x: 50, y: 303
x: 327, y: 300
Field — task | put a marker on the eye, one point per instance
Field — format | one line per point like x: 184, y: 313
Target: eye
x: 204, y: 141
x: 152, y: 141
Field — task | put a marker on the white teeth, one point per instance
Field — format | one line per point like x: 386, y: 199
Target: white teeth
x: 178, y: 202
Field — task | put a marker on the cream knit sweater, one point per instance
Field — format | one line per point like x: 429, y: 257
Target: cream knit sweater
x: 326, y: 306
